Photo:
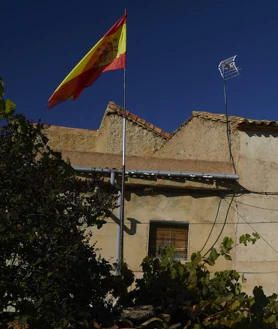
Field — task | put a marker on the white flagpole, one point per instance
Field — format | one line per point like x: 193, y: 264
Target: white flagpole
x: 121, y: 249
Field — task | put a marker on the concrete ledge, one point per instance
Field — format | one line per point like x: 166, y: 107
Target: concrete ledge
x: 105, y: 160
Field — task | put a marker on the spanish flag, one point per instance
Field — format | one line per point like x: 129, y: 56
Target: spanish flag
x: 107, y: 55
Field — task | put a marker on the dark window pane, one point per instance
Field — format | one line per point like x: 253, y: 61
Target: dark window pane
x: 168, y: 234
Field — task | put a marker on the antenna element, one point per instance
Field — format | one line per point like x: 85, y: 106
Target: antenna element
x: 228, y: 68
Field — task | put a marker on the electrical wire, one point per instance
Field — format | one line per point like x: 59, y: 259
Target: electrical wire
x: 236, y: 229
x: 253, y: 229
x: 223, y: 226
x: 262, y: 192
x: 252, y: 206
x: 215, y: 219
x: 222, y: 229
x: 246, y: 272
x: 244, y: 191
x: 228, y: 127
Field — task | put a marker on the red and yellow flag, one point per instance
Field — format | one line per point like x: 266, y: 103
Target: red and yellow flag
x: 107, y: 55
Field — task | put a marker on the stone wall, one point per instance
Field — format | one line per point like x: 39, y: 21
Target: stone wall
x: 72, y: 139
x: 142, y: 138
x: 139, y: 139
x: 200, y: 139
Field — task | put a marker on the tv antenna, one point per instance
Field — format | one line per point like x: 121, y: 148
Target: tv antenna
x: 228, y: 70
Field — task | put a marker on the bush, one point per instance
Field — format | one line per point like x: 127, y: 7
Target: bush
x: 198, y: 299
x: 49, y: 274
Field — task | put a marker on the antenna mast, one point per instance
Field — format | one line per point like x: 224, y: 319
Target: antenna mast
x: 228, y: 70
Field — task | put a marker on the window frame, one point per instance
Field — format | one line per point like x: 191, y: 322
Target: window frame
x: 171, y: 224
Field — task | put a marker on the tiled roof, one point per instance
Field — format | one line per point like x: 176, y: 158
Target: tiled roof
x: 237, y: 122
x: 135, y: 118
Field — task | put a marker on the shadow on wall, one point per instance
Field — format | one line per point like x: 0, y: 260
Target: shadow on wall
x: 133, y: 224
x: 261, y: 134
x: 194, y: 193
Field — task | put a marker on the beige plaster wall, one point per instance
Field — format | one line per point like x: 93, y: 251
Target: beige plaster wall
x: 256, y: 157
x: 258, y: 166
x: 139, y: 140
x: 108, y: 160
x: 198, y: 210
x: 72, y: 139
x: 200, y: 139
x: 258, y: 170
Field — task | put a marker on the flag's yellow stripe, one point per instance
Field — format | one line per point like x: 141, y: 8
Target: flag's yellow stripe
x: 83, y: 65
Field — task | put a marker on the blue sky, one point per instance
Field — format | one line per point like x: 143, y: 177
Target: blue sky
x: 174, y: 48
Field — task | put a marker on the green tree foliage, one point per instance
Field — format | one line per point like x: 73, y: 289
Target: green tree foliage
x: 49, y: 274
x: 52, y: 277
x: 199, y: 299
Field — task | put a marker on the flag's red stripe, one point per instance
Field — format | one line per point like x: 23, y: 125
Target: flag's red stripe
x: 116, y: 26
x: 75, y: 86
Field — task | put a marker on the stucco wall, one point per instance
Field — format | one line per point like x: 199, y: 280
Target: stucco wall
x: 255, y: 155
x: 107, y: 160
x: 200, y: 139
x: 258, y: 164
x: 72, y: 139
x: 256, y: 160
x: 139, y: 140
x: 142, y: 138
x: 198, y: 210
x: 258, y: 170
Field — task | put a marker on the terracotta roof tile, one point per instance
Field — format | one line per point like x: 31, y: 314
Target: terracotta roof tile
x: 133, y: 117
x: 237, y: 122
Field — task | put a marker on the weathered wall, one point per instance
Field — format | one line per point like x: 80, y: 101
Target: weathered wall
x: 258, y: 164
x: 72, y: 139
x: 255, y: 154
x: 198, y: 210
x: 142, y: 138
x: 258, y: 170
x: 200, y: 139
x: 139, y: 139
x: 108, y: 160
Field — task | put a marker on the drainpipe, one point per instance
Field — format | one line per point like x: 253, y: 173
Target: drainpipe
x: 118, y: 233
x: 137, y: 172
x: 112, y: 178
x: 112, y: 181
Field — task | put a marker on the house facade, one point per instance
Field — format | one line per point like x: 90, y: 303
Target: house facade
x: 185, y: 189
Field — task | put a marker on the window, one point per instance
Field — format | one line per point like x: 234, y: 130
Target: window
x: 164, y: 234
